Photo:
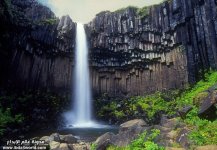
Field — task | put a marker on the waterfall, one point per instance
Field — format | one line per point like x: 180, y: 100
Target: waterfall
x: 81, y: 114
x: 82, y: 105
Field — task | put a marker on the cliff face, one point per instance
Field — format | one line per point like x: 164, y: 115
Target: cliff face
x: 36, y: 47
x: 162, y: 47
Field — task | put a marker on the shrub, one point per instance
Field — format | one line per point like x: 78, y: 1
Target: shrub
x: 7, y: 118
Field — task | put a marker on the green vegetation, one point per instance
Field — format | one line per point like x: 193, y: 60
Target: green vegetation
x: 16, y: 107
x: 144, y: 11
x: 6, y: 118
x: 93, y: 146
x: 144, y: 141
x: 50, y: 21
x: 149, y: 106
x: 121, y: 10
x: 202, y: 131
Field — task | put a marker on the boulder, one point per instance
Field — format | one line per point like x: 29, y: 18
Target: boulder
x: 54, y: 145
x: 64, y: 146
x: 207, y: 109
x: 128, y: 131
x: 54, y: 137
x: 79, y: 146
x: 132, y: 124
x: 70, y: 139
x: 103, y: 141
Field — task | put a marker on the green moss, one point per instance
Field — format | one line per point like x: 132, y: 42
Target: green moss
x: 121, y: 10
x: 198, y: 99
x: 50, y: 21
x: 144, y: 11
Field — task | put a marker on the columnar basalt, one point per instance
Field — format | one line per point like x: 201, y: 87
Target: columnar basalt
x: 160, y: 49
x: 39, y: 47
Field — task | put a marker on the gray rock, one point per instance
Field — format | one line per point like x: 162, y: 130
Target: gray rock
x: 129, y: 125
x: 103, y: 141
x: 183, y: 112
x: 54, y: 137
x: 207, y: 109
x: 128, y: 131
x: 69, y: 139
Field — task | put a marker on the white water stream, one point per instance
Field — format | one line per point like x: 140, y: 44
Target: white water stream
x: 81, y: 115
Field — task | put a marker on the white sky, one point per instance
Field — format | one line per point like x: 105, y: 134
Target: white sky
x: 85, y: 10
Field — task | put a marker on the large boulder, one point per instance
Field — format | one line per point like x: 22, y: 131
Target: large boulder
x: 128, y: 132
x: 54, y: 137
x: 207, y: 109
x: 129, y: 125
x: 103, y: 141
x: 69, y: 139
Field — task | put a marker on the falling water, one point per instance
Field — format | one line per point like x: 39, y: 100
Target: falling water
x: 81, y: 113
x: 82, y: 106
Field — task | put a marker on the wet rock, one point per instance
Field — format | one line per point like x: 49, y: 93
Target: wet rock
x: 70, y: 139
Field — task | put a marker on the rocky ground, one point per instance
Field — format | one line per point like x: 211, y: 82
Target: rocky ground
x: 173, y: 136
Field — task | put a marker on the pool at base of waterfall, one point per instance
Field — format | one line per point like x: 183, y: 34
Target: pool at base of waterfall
x: 88, y: 134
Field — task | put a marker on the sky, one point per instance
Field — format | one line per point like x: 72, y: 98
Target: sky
x: 85, y: 10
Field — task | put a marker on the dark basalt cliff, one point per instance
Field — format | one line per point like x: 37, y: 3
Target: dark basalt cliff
x: 36, y: 48
x: 164, y: 47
